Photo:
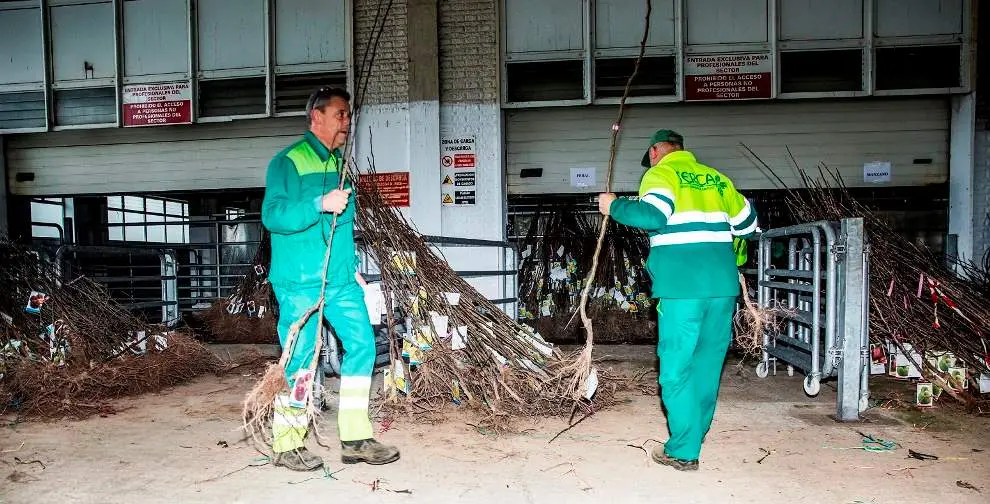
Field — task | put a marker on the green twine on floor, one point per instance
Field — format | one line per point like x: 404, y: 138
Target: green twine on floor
x: 870, y: 444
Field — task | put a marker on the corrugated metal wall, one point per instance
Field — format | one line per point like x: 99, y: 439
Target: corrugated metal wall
x: 181, y: 158
x: 913, y: 134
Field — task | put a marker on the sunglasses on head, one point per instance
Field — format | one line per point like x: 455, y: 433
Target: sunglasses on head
x: 322, y: 96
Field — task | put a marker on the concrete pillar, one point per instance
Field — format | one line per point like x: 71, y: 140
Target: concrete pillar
x: 424, y: 113
x: 469, y: 85
x: 469, y: 93
x: 421, y: 40
x: 962, y: 218
x: 3, y: 189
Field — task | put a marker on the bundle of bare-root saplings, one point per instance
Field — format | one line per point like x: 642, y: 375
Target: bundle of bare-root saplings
x: 459, y: 347
x: 556, y: 254
x: 67, y: 348
x: 249, y: 314
x: 926, y: 322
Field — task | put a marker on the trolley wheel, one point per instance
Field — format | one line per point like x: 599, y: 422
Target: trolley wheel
x: 812, y: 386
x: 763, y: 369
x: 790, y: 370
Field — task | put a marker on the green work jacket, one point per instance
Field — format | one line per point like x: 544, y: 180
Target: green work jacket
x: 297, y: 178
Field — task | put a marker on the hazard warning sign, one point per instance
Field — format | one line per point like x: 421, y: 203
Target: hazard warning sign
x: 458, y: 164
x: 393, y: 186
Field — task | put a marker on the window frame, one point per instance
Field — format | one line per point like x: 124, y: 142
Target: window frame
x: 144, y: 224
x: 868, y: 43
x: 191, y: 75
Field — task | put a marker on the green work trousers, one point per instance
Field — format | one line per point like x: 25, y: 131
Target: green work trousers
x: 347, y: 313
x: 694, y: 336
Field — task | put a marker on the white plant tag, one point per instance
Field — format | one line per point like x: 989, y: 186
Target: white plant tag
x: 458, y: 340
x: 453, y: 298
x: 591, y: 385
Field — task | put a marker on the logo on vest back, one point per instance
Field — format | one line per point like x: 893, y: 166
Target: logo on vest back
x: 702, y: 181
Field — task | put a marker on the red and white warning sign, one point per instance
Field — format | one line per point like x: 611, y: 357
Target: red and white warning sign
x: 157, y: 104
x: 463, y: 160
x: 719, y: 77
x: 393, y: 186
x: 458, y: 162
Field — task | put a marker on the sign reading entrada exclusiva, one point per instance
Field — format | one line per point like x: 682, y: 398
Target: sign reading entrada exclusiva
x: 728, y: 76
x: 157, y: 104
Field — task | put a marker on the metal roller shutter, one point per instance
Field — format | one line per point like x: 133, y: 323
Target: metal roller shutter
x: 141, y: 160
x: 912, y: 134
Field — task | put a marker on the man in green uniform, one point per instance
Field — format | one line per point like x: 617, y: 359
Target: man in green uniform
x: 301, y: 200
x: 691, y: 213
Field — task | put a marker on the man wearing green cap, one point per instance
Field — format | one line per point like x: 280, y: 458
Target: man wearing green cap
x: 692, y: 214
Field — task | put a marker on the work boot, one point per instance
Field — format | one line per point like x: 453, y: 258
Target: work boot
x: 369, y: 451
x: 661, y: 457
x: 299, y: 459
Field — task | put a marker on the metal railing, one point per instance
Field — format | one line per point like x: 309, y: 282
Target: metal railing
x: 61, y: 231
x: 188, y: 277
x: 220, y: 254
x: 214, y: 269
x: 142, y: 279
x: 823, y: 295
x: 508, y: 265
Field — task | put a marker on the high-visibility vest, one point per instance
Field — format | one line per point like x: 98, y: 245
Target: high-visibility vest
x: 692, y: 214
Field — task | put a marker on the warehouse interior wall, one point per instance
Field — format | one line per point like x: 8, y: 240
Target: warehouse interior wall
x: 424, y: 110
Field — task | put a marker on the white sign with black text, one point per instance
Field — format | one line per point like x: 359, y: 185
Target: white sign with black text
x: 876, y: 172
x: 582, y: 177
x: 458, y: 165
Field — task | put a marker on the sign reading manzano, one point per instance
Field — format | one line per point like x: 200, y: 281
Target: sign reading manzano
x: 727, y: 76
x: 157, y: 104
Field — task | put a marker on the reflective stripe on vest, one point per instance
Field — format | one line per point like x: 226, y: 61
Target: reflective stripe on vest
x: 687, y: 237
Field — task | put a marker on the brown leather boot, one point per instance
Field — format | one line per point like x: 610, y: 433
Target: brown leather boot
x: 300, y: 459
x: 368, y: 451
x: 661, y: 457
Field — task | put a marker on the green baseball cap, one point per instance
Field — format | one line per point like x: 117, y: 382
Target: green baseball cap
x: 663, y: 135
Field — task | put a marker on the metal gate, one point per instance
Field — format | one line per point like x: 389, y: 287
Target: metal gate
x: 819, y: 287
x: 142, y: 279
x: 189, y: 277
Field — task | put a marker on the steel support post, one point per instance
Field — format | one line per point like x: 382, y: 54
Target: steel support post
x: 856, y: 300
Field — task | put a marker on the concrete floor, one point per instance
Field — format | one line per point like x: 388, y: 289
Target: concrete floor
x: 769, y: 443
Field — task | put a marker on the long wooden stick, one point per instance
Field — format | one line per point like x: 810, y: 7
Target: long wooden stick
x: 616, y: 127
